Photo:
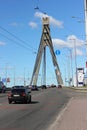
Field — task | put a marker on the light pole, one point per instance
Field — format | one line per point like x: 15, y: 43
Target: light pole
x: 70, y: 66
x: 14, y: 75
x: 24, y: 77
x: 85, y: 4
x: 75, y: 62
x: 6, y: 72
x: 74, y: 40
x: 71, y: 79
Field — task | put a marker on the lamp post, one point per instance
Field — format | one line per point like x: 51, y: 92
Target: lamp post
x: 75, y: 62
x: 70, y: 65
x: 14, y: 75
x: 74, y: 40
x: 85, y: 6
x: 24, y: 77
x: 6, y: 72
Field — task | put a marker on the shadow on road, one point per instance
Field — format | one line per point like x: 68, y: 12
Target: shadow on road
x: 32, y: 102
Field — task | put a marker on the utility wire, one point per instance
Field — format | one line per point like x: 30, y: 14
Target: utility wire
x: 25, y: 43
x: 14, y: 41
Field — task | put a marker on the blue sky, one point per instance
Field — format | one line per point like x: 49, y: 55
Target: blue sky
x: 20, y: 33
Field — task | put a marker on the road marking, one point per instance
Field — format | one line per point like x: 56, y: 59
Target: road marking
x: 58, y: 118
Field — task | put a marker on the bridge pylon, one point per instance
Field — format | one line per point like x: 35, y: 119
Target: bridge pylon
x: 44, y: 42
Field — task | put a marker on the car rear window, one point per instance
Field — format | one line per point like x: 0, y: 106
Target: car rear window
x: 18, y: 90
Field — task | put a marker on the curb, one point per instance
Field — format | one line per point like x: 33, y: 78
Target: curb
x: 59, y: 116
x: 78, y: 89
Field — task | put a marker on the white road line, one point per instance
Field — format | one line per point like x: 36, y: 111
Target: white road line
x: 58, y: 118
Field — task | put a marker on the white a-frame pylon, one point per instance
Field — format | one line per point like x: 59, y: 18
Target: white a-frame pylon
x: 45, y: 41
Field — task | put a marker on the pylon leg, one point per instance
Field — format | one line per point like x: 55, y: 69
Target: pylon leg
x: 45, y: 41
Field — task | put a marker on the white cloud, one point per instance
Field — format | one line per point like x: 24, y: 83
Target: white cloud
x: 74, y: 41
x: 58, y: 43
x: 33, y: 24
x: 79, y: 52
x: 2, y: 43
x: 71, y: 42
x: 56, y: 22
x: 53, y: 21
x: 15, y: 24
x: 40, y: 15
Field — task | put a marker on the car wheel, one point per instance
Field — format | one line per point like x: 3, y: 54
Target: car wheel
x: 9, y: 101
x: 25, y: 102
x: 29, y: 99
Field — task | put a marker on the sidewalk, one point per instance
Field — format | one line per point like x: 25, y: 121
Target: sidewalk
x: 73, y: 116
x: 79, y: 89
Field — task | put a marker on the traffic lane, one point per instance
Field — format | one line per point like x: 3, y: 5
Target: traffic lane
x: 4, y: 96
x: 37, y: 115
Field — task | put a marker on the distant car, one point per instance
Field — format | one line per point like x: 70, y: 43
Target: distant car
x: 19, y: 95
x: 53, y: 86
x: 2, y: 87
x: 43, y: 87
x: 34, y: 88
x: 59, y: 86
x: 18, y: 86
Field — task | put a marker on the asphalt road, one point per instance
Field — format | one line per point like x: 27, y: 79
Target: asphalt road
x: 38, y: 115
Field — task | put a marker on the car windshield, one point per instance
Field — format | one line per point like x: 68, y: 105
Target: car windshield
x: 18, y: 90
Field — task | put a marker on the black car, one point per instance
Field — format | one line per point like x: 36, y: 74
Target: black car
x: 18, y: 86
x: 43, y: 87
x: 34, y: 88
x: 59, y: 86
x: 19, y: 95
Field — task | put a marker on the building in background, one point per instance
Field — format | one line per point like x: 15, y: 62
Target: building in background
x: 85, y: 75
x: 80, y: 77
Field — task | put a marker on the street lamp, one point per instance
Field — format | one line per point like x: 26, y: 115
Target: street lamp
x: 74, y: 40
x: 24, y: 77
x: 14, y: 75
x: 6, y: 68
x: 69, y: 66
x: 85, y: 6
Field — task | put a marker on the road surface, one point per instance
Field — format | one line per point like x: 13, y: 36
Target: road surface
x: 39, y: 114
